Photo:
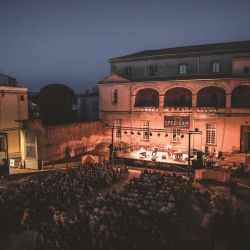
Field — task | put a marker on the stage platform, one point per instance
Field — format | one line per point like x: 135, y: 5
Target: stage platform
x: 133, y: 159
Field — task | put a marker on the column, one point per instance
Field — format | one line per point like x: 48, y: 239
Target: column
x: 161, y: 102
x: 194, y: 100
x: 228, y: 101
x: 133, y: 99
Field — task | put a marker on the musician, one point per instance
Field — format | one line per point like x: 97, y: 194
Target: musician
x: 142, y: 153
x: 169, y: 150
x: 155, y: 150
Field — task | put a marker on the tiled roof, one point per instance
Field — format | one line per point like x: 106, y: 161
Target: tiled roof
x: 196, y: 49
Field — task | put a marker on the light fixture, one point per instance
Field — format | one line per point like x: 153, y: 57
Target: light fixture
x: 174, y: 135
x: 182, y: 136
x: 138, y: 133
x: 131, y: 132
x: 159, y: 134
x: 150, y: 134
x: 166, y: 135
x: 125, y: 132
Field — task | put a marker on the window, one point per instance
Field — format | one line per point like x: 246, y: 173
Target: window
x: 128, y: 71
x: 214, y: 100
x: 182, y: 100
x: 176, y: 135
x: 153, y: 70
x: 210, y: 134
x: 22, y: 98
x: 183, y: 69
x: 117, y: 125
x: 115, y: 96
x: 215, y: 67
x: 246, y: 70
x: 145, y: 132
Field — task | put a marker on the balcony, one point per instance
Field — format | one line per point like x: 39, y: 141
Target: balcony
x: 177, y: 109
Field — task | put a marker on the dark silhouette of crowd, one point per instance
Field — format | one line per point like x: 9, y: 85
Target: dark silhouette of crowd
x: 80, y: 209
x: 142, y: 216
x: 58, y: 206
x: 58, y: 190
x: 226, y: 221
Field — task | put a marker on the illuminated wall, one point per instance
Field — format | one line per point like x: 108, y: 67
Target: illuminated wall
x: 227, y: 120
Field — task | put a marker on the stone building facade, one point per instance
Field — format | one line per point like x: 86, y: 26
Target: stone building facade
x: 17, y: 143
x: 204, y: 87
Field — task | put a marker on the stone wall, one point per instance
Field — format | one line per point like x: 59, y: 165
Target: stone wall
x: 53, y: 140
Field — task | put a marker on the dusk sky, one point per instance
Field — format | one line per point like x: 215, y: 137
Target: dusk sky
x: 70, y: 41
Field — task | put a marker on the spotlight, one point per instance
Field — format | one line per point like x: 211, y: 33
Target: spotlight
x: 138, y: 133
x: 131, y: 132
x: 166, y: 135
x: 182, y: 136
x: 159, y: 134
x: 146, y: 133
x: 150, y: 134
x: 125, y: 132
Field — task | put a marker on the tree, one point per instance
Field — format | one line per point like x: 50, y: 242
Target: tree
x: 57, y: 104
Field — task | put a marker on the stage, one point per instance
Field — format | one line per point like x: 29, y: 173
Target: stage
x: 177, y: 162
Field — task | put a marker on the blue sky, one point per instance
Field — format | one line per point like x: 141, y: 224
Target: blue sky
x: 70, y: 41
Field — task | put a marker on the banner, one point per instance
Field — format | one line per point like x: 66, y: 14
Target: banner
x: 176, y: 121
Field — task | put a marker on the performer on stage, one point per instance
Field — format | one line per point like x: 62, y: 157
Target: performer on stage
x: 154, y: 152
x: 169, y: 151
x: 142, y: 153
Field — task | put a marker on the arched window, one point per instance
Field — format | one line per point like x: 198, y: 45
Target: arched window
x: 240, y: 97
x: 147, y: 98
x: 115, y: 96
x: 211, y: 97
x: 182, y: 100
x: 178, y: 97
x: 214, y: 100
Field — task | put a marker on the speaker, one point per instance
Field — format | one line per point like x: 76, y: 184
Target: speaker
x: 4, y: 169
x: 220, y: 155
x: 199, y: 156
x: 196, y: 164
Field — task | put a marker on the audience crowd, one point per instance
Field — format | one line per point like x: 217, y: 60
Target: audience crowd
x: 71, y: 210
x: 58, y: 207
x: 142, y: 216
x: 60, y: 190
x: 226, y: 222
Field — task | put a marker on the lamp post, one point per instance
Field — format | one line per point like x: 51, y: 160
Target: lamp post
x: 196, y: 131
x: 189, y: 150
x: 111, y: 146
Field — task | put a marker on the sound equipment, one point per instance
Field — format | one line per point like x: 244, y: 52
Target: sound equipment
x: 199, y: 156
x: 220, y: 155
x: 4, y: 169
x: 196, y: 164
x: 153, y: 158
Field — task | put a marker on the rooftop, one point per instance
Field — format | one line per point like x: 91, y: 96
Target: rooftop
x: 237, y: 46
